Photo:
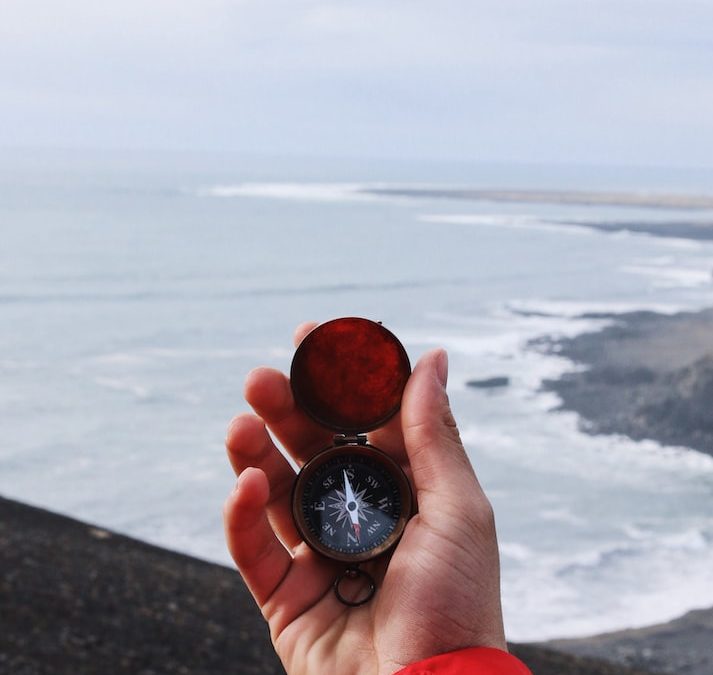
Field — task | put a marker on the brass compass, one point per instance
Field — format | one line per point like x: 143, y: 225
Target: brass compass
x: 351, y: 501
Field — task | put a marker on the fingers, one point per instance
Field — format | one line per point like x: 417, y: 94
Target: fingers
x: 302, y: 330
x: 249, y: 444
x: 283, y: 587
x: 439, y: 462
x: 268, y: 392
x: 307, y: 587
x: 262, y: 560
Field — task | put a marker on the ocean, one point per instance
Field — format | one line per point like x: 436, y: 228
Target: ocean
x: 138, y: 289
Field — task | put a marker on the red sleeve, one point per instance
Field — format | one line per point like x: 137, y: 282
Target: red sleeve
x: 472, y: 661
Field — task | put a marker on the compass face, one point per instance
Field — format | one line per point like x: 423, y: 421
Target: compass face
x: 351, y: 503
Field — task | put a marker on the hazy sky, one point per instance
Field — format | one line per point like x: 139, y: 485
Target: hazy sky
x: 628, y: 81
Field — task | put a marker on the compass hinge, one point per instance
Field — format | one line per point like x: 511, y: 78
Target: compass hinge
x: 344, y: 439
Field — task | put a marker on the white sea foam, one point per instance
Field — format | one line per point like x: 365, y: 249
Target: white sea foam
x: 507, y: 329
x: 600, y: 596
x: 312, y: 192
x: 489, y: 219
x: 561, y: 515
x: 663, y: 242
x: 621, y: 584
x: 557, y: 443
x: 326, y: 191
x: 682, y: 244
x: 576, y: 308
x: 517, y: 221
x: 502, y: 341
x: 674, y: 277
x: 511, y: 549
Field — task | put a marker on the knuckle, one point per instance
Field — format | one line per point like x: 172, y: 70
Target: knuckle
x: 227, y: 509
x: 475, y: 512
x: 241, y: 425
x: 448, y: 420
x: 484, y: 515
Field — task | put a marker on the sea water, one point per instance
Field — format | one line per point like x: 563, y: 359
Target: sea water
x: 137, y: 291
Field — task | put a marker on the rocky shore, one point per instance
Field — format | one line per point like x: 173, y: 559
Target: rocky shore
x: 679, y: 647
x: 647, y: 375
x: 79, y: 599
x: 75, y: 598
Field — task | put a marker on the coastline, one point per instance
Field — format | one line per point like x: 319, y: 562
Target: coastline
x: 681, y: 646
x: 83, y: 599
x: 654, y: 200
x: 696, y: 229
x: 647, y: 376
x: 80, y: 599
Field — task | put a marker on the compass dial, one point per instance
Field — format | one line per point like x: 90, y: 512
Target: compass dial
x: 351, y: 503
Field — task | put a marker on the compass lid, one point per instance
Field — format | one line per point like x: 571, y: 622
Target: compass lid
x: 349, y: 374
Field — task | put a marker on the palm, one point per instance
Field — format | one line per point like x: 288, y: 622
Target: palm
x: 432, y: 573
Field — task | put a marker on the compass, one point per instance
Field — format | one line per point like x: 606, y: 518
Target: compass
x: 351, y: 501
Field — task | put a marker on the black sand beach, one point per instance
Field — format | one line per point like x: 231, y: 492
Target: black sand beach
x: 79, y: 599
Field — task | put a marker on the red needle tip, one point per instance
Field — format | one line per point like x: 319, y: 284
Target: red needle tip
x: 357, y: 530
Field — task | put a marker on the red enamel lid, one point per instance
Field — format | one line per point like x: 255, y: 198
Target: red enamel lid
x: 349, y: 375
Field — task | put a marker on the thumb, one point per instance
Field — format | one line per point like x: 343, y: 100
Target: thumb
x: 438, y: 459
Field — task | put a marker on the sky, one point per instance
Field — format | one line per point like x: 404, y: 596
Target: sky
x: 565, y: 81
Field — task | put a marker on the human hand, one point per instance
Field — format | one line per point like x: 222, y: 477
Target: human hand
x: 439, y: 590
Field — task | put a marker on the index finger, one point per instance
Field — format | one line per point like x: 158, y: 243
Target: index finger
x: 268, y: 392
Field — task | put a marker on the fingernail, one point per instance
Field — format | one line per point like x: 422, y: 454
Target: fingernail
x: 442, y: 367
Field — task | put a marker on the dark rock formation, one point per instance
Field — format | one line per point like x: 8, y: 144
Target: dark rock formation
x: 77, y: 599
x: 490, y: 382
x: 648, y: 376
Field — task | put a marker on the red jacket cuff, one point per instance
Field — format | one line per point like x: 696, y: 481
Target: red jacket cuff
x: 473, y: 661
